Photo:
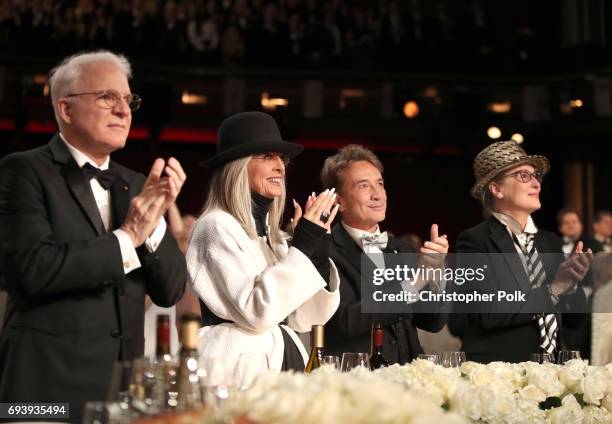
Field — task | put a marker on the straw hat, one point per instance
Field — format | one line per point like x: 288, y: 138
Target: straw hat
x: 499, y: 157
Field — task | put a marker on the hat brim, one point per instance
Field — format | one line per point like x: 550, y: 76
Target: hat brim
x: 286, y: 148
x: 539, y: 162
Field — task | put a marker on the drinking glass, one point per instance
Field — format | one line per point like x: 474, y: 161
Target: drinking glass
x: 435, y: 358
x: 332, y: 360
x: 452, y: 359
x: 568, y: 355
x: 542, y: 358
x: 352, y: 360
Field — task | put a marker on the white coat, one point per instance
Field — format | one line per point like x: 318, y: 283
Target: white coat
x: 242, y: 280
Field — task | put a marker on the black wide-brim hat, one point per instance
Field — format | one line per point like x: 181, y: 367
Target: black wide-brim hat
x: 249, y: 133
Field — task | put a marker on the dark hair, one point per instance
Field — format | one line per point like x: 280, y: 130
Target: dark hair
x: 565, y: 211
x: 335, y: 165
x: 600, y: 214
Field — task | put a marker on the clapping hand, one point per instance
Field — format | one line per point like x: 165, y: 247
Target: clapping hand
x: 157, y: 194
x: 572, y: 270
x: 318, y: 209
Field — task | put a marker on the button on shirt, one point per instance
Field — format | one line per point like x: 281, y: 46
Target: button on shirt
x: 103, y: 198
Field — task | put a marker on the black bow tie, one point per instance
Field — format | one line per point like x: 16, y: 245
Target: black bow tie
x: 105, y: 178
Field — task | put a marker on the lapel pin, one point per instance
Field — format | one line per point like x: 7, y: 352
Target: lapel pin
x: 125, y: 188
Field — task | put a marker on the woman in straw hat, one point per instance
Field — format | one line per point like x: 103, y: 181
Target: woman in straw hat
x: 530, y: 263
x: 256, y: 290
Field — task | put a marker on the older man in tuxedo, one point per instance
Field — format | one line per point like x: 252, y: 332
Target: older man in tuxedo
x: 356, y: 173
x: 82, y: 241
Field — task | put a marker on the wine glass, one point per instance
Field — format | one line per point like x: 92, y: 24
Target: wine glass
x: 148, y: 388
x: 217, y: 376
x: 435, y: 358
x: 331, y: 360
x: 95, y: 413
x: 352, y: 360
x: 542, y: 358
x: 453, y: 359
x: 568, y: 355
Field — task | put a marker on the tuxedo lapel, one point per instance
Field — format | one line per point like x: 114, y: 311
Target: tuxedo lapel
x: 120, y: 197
x: 348, y: 248
x: 77, y: 183
x: 503, y: 241
x: 545, y: 250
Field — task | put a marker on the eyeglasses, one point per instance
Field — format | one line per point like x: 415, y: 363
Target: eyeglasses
x: 525, y: 176
x: 271, y: 157
x: 110, y: 99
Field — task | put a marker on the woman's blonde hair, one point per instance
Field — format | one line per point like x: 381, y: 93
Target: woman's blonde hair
x: 230, y: 191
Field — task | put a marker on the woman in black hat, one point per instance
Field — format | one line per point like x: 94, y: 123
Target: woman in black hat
x: 256, y: 289
x: 516, y: 257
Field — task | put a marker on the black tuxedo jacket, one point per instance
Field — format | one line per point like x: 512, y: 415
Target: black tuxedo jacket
x: 71, y: 312
x: 589, y: 243
x: 349, y: 330
x: 513, y: 335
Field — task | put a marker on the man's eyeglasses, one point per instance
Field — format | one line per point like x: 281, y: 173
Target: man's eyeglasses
x: 271, y: 157
x: 525, y: 176
x: 110, y: 99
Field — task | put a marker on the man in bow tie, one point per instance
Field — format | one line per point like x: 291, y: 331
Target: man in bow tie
x: 357, y: 175
x: 82, y: 241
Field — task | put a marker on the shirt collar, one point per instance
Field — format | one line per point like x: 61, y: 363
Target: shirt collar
x: 513, y: 226
x: 357, y: 234
x: 81, y: 158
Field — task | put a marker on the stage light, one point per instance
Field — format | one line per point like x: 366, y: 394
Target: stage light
x: 576, y: 103
x: 431, y: 92
x: 518, y: 137
x: 271, y: 103
x: 40, y: 79
x: 494, y: 133
x: 500, y: 107
x: 193, y: 99
x: 347, y: 94
x: 411, y: 109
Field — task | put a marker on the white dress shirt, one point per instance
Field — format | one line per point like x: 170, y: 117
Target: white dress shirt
x: 103, y: 198
x: 514, y: 228
x: 376, y: 255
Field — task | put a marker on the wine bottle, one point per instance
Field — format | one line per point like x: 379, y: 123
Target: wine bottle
x: 316, y: 348
x: 162, y: 349
x: 187, y: 380
x: 377, y: 359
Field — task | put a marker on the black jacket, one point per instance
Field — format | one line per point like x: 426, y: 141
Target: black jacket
x: 349, y: 329
x: 512, y: 336
x: 71, y: 312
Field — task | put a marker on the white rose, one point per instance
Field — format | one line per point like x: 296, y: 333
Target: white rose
x: 467, y: 402
x: 545, y: 378
x: 595, y: 385
x: 532, y: 393
x: 569, y: 412
x: 607, y: 402
x: 595, y: 415
x: 572, y: 373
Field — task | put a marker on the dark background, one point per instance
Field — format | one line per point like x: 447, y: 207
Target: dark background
x: 453, y: 58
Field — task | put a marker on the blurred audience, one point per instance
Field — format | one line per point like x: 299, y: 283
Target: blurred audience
x: 570, y: 228
x: 294, y: 33
x: 602, y: 229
